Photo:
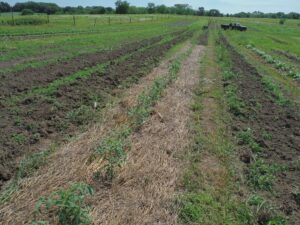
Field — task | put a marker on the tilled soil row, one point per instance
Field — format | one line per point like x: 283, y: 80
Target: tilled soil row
x: 282, y: 123
x: 32, y: 77
x: 47, y: 117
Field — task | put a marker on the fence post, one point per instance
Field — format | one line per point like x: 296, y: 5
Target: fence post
x: 48, y: 19
x: 130, y: 19
x: 12, y: 16
x: 74, y: 21
x: 95, y: 22
x: 109, y: 20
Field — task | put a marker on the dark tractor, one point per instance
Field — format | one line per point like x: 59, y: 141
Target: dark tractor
x: 233, y: 26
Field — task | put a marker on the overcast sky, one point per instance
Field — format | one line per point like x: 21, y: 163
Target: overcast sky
x: 225, y: 6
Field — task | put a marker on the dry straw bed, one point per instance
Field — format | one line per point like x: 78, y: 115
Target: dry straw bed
x: 145, y: 188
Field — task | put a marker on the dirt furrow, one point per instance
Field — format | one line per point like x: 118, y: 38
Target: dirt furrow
x: 69, y: 164
x: 145, y: 189
x: 32, y: 77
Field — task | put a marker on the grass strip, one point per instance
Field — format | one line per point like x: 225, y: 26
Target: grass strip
x: 209, y: 179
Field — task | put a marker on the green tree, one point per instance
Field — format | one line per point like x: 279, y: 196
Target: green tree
x: 201, y: 11
x: 214, y: 12
x: 151, y: 8
x: 4, y: 7
x: 122, y: 7
x: 162, y: 9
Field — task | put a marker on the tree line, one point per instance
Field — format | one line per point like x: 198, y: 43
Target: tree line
x: 123, y: 7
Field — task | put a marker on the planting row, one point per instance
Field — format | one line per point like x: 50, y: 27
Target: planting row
x: 284, y: 68
x: 266, y: 127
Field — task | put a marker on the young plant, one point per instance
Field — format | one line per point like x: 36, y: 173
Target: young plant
x: 112, y: 149
x: 31, y: 163
x: 246, y: 138
x: 235, y: 104
x: 67, y: 205
x: 262, y: 175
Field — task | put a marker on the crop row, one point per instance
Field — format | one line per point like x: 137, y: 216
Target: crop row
x: 284, y: 68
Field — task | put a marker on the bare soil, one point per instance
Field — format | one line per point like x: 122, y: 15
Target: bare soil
x: 32, y: 77
x: 283, y: 125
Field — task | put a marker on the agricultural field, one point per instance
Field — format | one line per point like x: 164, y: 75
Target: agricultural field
x: 149, y: 119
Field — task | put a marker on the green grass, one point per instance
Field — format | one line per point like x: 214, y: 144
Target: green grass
x: 203, y: 208
x: 205, y: 202
x: 71, y: 44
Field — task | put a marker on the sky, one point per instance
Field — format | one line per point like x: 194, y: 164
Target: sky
x: 225, y: 6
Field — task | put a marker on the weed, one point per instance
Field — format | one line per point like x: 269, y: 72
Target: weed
x: 266, y: 135
x: 19, y: 138
x: 68, y: 205
x: 146, y: 101
x: 234, y: 103
x: 296, y: 195
x: 31, y: 163
x: 82, y: 115
x: 228, y: 75
x: 18, y: 121
x: 298, y: 162
x: 202, y: 208
x: 262, y: 175
x: 39, y: 223
x: 275, y: 90
x: 278, y: 220
x: 112, y: 149
x: 246, y: 138
x: 26, y: 168
x: 282, y: 21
